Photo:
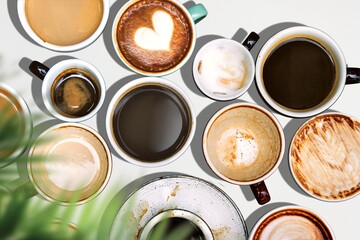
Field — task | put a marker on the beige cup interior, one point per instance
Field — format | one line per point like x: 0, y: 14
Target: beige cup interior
x: 243, y: 144
x: 69, y: 164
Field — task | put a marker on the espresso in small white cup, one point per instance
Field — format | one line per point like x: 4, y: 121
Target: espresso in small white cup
x: 73, y: 90
x: 64, y: 25
x: 301, y: 71
x: 150, y: 122
x: 224, y: 69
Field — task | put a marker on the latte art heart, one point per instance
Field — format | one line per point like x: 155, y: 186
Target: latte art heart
x: 159, y: 37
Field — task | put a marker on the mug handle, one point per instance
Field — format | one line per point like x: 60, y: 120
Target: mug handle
x: 352, y: 76
x: 260, y: 192
x: 251, y: 40
x: 38, y: 69
x: 198, y: 12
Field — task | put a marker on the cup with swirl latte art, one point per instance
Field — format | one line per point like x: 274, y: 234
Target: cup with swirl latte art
x: 291, y: 222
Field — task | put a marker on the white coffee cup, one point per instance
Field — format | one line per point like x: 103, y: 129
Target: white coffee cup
x: 49, y: 75
x: 343, y: 74
x: 21, y: 6
x: 118, y: 99
x: 224, y: 69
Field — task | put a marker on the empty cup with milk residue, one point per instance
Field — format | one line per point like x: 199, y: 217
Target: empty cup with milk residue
x: 224, y: 69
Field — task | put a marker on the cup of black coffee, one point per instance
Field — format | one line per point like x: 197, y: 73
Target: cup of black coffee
x: 301, y: 71
x: 73, y: 90
x: 150, y: 122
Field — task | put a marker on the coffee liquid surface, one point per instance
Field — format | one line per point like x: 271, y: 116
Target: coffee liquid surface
x: 180, y: 225
x: 154, y: 36
x: 151, y: 123
x: 75, y: 93
x: 299, y: 74
x: 64, y: 22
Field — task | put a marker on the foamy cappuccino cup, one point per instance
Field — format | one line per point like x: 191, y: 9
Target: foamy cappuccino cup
x: 243, y: 144
x: 155, y: 38
x: 224, y: 69
x: 291, y: 223
x: 69, y: 163
x: 65, y: 25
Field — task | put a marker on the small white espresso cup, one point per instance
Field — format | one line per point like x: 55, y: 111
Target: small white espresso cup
x: 224, y: 69
x: 50, y: 77
x: 343, y: 74
x: 21, y: 7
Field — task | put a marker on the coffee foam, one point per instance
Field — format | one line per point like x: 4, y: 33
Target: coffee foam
x: 325, y: 156
x: 154, y: 36
x: 71, y: 159
x: 291, y: 227
x: 160, y: 37
x: 65, y: 22
x: 222, y: 68
x: 243, y: 143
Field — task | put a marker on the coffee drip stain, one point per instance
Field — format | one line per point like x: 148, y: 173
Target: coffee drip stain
x: 325, y: 155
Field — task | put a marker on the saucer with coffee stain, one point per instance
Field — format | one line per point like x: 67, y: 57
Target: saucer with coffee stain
x: 185, y: 193
x: 325, y: 157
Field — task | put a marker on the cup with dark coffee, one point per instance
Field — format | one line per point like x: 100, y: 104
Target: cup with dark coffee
x: 155, y: 38
x: 65, y: 25
x: 301, y: 71
x: 244, y: 144
x: 150, y: 122
x: 68, y: 163
x: 73, y: 90
x: 291, y: 222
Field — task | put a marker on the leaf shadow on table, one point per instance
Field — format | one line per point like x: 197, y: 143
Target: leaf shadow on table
x: 265, y: 35
x: 254, y: 217
x: 101, y: 115
x: 107, y: 33
x: 36, y: 83
x: 187, y: 68
x: 196, y: 145
x: 111, y: 211
x: 14, y: 17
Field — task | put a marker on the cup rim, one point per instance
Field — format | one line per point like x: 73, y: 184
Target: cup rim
x: 68, y: 48
x: 109, y: 164
x: 28, y: 125
x: 290, y: 159
x: 54, y: 72
x: 173, y: 213
x: 267, y: 113
x: 290, y: 207
x: 117, y: 98
x: 284, y: 36
x: 239, y: 92
x: 143, y: 72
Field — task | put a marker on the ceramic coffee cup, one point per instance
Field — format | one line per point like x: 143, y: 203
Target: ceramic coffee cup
x: 15, y: 126
x: 224, y: 69
x: 155, y: 38
x: 291, y: 222
x: 66, y: 25
x: 244, y: 144
x: 150, y: 122
x: 301, y: 71
x: 68, y: 163
x: 73, y: 90
x: 324, y: 157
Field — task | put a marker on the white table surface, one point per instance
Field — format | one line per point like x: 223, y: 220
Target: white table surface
x: 340, y: 19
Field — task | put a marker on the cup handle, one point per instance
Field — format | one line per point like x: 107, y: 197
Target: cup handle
x: 260, y: 192
x: 22, y: 185
x: 198, y: 12
x: 353, y: 76
x: 251, y: 40
x: 38, y: 69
